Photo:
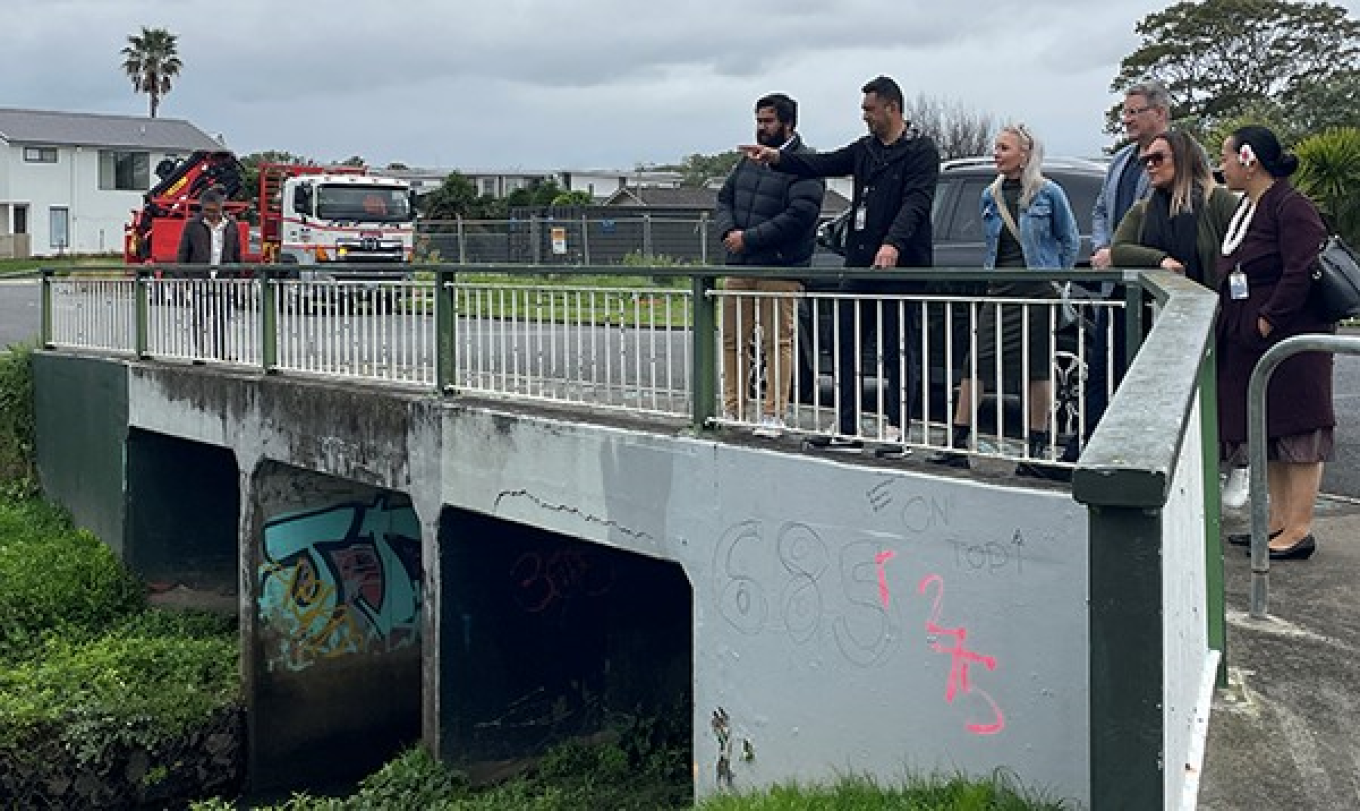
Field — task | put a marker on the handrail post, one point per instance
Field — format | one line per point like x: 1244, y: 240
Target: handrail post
x: 46, y: 329
x: 1256, y: 445
x: 703, y: 376
x: 1214, y: 588
x: 269, y: 320
x: 1133, y: 322
x: 142, y: 312
x: 446, y: 321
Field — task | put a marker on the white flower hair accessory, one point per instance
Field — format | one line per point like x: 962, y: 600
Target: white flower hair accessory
x: 1246, y: 155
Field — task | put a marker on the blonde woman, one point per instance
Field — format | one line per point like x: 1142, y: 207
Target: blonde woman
x: 1028, y: 223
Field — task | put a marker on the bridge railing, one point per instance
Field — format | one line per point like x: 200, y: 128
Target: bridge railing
x: 604, y: 337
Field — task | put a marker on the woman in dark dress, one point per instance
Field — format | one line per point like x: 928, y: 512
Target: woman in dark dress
x: 1268, y: 250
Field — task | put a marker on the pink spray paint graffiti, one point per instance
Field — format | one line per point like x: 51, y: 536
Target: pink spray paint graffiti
x: 960, y: 658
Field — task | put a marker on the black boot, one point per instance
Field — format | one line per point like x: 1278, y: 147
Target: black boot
x: 952, y: 458
x: 1038, y: 449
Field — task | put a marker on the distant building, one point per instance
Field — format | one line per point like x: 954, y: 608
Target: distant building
x: 70, y: 181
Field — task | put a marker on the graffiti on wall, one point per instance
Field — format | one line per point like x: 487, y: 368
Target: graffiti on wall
x: 787, y: 579
x: 340, y: 581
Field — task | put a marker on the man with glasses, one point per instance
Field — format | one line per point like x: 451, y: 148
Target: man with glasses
x: 1146, y: 114
x: 212, y: 239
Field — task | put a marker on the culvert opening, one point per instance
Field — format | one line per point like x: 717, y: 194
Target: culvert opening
x: 547, y: 641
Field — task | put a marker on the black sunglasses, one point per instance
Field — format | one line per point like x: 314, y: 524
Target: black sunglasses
x: 1153, y: 159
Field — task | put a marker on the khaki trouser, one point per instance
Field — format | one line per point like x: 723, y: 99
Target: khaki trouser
x: 758, y: 316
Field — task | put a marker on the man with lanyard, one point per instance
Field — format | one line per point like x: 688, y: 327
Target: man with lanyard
x: 1146, y: 114
x: 211, y: 239
x: 894, y: 169
x: 765, y: 219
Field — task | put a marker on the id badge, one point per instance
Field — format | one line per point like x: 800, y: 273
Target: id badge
x: 1237, y: 285
x: 861, y: 215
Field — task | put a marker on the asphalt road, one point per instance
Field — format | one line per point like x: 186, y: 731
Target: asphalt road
x: 20, y: 317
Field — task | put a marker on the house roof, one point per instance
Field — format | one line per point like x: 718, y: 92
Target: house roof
x: 663, y: 197
x: 50, y: 128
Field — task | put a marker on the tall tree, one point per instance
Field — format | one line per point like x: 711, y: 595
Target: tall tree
x: 957, y: 131
x: 152, y: 62
x: 1219, y: 56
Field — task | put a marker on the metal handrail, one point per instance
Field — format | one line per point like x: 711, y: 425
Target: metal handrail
x: 1256, y: 444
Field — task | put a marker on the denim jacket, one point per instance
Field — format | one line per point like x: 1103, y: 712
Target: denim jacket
x: 1048, y: 229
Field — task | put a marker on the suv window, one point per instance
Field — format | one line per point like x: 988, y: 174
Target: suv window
x: 966, y: 224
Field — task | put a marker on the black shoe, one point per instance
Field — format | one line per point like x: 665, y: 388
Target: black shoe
x: 1303, y: 550
x: 1034, y: 470
x: 950, y: 459
x: 1244, y: 538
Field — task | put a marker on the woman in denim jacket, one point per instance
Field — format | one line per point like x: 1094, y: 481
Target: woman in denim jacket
x: 1028, y: 223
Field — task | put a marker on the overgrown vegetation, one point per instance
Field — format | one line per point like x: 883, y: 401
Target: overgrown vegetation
x: 575, y: 777
x: 18, y: 471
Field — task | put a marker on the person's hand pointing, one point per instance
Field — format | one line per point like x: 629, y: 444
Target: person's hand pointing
x: 767, y: 155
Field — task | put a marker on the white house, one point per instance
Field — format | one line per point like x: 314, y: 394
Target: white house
x: 70, y: 181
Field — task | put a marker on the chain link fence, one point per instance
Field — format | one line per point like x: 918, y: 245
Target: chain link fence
x: 573, y: 237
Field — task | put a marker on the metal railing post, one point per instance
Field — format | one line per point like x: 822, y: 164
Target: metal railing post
x: 462, y: 242
x: 1256, y: 444
x: 269, y: 320
x: 703, y: 373
x: 703, y: 238
x: 142, y: 316
x: 46, y: 331
x: 1133, y: 321
x: 585, y: 239
x: 1214, y: 584
x: 446, y: 321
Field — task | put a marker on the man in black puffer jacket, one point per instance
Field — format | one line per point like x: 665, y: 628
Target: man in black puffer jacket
x: 894, y: 170
x: 765, y: 219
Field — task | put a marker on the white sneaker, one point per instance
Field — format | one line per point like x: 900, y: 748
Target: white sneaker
x: 770, y: 427
x: 1237, y: 488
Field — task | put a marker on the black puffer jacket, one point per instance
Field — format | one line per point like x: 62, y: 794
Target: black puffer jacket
x: 896, y: 184
x: 776, y: 213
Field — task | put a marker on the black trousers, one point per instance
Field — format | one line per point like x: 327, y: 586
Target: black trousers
x: 873, y: 334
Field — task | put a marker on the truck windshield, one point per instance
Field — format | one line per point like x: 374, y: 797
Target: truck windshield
x: 363, y: 203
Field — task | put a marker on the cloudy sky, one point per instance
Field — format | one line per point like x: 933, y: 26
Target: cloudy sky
x: 579, y: 84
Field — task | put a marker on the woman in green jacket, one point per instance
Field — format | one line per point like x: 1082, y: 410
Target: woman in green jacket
x: 1180, y: 226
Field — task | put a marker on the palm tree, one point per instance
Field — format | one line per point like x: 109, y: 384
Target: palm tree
x: 150, y: 61
x: 1329, y: 172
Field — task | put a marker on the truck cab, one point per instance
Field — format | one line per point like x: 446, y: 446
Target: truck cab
x: 344, y: 226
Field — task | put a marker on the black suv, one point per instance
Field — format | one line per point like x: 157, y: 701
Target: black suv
x: 959, y: 243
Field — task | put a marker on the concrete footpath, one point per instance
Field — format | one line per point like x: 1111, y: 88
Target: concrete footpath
x: 1285, y: 734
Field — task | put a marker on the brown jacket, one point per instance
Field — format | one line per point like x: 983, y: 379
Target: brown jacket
x: 195, y: 244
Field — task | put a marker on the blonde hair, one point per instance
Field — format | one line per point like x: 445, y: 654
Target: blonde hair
x: 1031, y: 173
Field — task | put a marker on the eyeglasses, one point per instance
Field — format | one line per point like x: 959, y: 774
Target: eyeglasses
x: 1153, y: 159
x: 1130, y: 112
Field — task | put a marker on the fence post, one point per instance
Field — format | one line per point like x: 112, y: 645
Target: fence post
x: 446, y: 320
x: 269, y: 320
x: 703, y: 238
x: 45, y: 330
x: 647, y: 236
x: 585, y: 238
x: 703, y: 379
x: 141, y: 313
x: 462, y: 242
x: 1216, y: 597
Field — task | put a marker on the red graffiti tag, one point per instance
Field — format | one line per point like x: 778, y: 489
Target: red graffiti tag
x: 960, y: 659
x: 880, y: 560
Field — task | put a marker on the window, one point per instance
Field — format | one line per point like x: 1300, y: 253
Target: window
x: 488, y: 187
x: 124, y: 171
x: 40, y: 154
x: 21, y: 219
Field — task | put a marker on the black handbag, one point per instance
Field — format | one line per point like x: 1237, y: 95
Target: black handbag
x: 1336, y: 281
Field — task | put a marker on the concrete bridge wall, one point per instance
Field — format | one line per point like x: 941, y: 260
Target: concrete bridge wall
x: 845, y: 617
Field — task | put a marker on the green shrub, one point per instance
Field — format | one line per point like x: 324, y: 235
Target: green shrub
x: 18, y: 470
x: 57, y: 580
x: 122, y: 689
x: 1329, y: 173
